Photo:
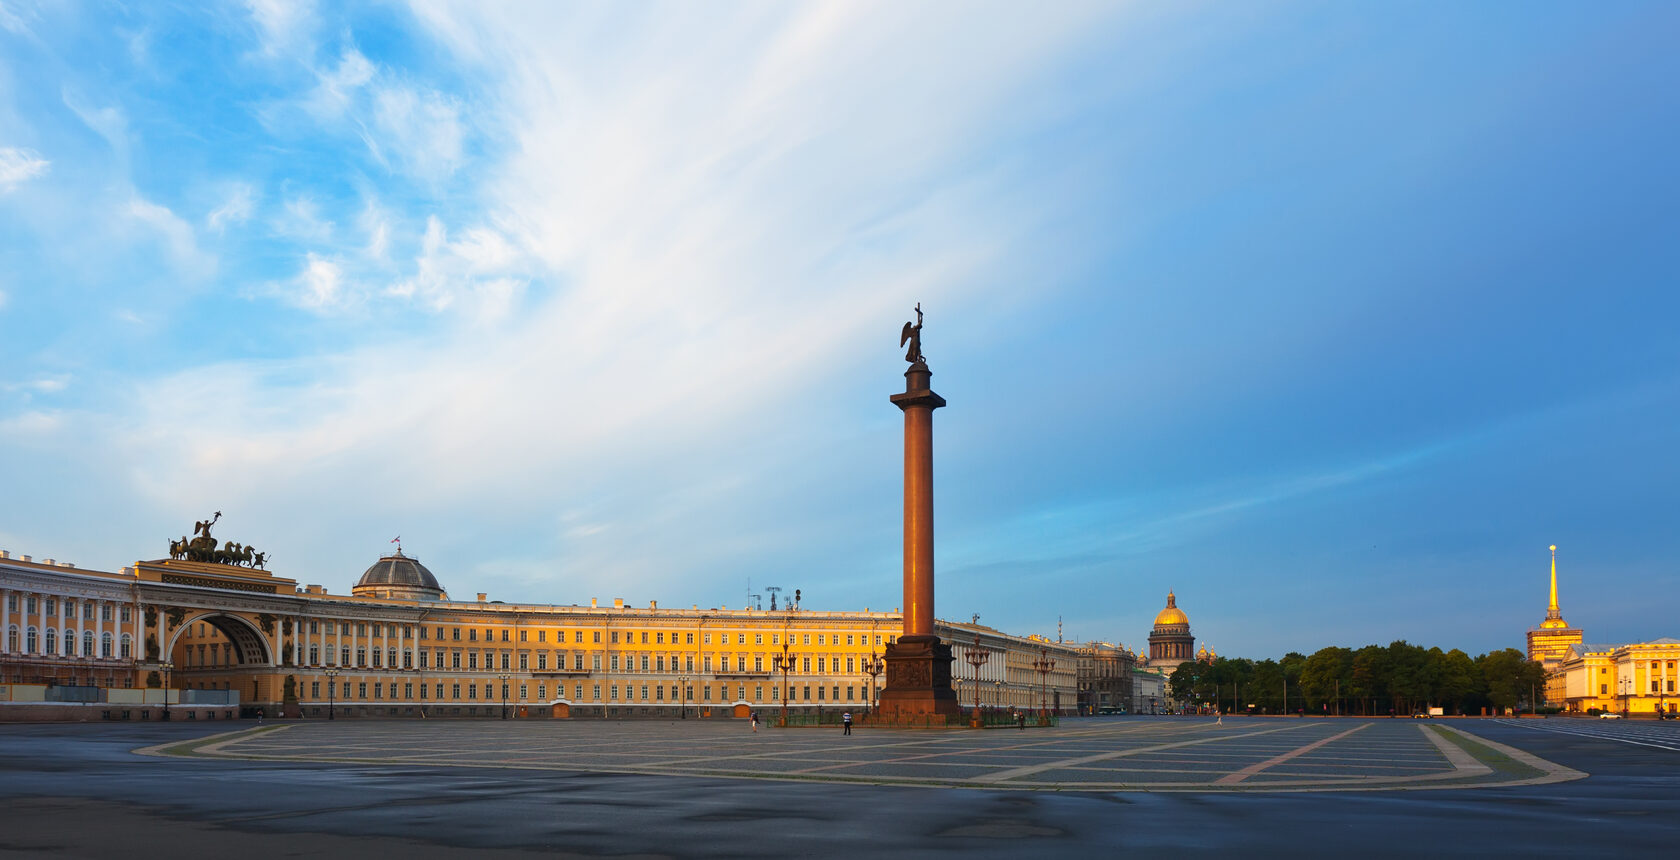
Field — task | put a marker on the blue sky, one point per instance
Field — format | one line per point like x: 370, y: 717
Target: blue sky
x: 1329, y: 317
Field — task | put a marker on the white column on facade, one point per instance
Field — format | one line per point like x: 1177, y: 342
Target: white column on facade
x: 384, y: 643
x: 297, y: 640
x: 338, y: 643
x: 5, y: 621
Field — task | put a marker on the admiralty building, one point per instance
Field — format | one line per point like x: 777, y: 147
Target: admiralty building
x: 209, y: 634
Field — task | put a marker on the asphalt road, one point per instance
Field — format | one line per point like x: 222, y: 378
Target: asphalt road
x: 80, y: 791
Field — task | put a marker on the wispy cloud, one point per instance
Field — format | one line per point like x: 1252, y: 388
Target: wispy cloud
x: 19, y: 165
x: 237, y: 209
x: 177, y: 235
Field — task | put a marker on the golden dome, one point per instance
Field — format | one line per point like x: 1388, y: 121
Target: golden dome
x: 1172, y: 615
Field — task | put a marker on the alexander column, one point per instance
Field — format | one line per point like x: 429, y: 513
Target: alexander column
x: 918, y: 664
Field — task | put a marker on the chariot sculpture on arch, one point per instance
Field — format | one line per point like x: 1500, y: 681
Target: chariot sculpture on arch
x: 202, y: 548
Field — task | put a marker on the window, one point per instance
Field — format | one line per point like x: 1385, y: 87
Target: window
x: 472, y: 659
x: 522, y: 636
x: 849, y: 692
x: 690, y: 638
x: 522, y: 661
x: 504, y: 635
x: 644, y: 662
x: 1603, y: 689
x: 454, y: 659
x: 87, y: 643
x: 52, y: 641
x: 455, y: 633
x: 806, y: 663
x: 52, y: 606
x: 644, y: 637
x: 314, y: 689
x: 455, y: 691
x: 644, y: 692
x: 848, y: 638
x: 542, y: 636
x: 613, y: 690
x: 379, y: 691
x: 850, y: 664
x: 127, y: 647
x: 706, y: 693
x: 819, y: 639
x: 125, y: 614
x: 472, y: 635
x: 707, y: 637
x: 615, y: 662
x: 659, y: 639
x: 822, y: 666
x: 377, y: 662
x: 758, y: 663
x: 706, y: 662
x: 758, y: 638
x: 105, y: 612
x: 597, y: 693
x: 740, y: 639
x: 361, y: 690
x: 560, y: 690
x: 542, y: 692
x: 408, y: 690
x: 596, y: 661
x: 104, y: 645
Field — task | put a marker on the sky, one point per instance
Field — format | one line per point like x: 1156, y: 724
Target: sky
x: 1328, y: 317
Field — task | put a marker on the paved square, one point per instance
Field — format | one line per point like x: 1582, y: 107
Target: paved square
x: 1128, y: 754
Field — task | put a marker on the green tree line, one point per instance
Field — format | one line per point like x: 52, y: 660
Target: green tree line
x: 1377, y: 680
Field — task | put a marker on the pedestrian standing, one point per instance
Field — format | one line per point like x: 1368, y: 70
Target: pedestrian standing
x: 846, y: 722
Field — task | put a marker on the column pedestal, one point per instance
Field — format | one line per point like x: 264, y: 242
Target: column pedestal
x: 919, y: 682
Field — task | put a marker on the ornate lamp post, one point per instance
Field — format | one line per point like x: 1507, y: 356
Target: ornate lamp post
x: 682, y: 693
x: 504, y: 678
x: 332, y: 688
x: 997, y: 694
x: 784, y: 663
x: 977, y: 657
x: 1043, y: 665
x: 167, y: 667
x: 873, y: 665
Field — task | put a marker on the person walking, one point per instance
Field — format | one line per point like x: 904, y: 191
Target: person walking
x: 755, y: 722
x: 846, y: 722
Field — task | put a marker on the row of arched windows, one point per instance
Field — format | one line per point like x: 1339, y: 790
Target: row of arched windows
x: 32, y: 641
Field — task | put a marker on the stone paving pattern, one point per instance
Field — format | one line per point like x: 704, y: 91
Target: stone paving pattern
x: 1141, y: 754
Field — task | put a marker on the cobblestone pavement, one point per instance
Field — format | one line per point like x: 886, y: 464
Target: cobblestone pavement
x: 1181, y: 754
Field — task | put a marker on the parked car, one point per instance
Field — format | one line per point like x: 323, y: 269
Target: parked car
x: 1608, y: 715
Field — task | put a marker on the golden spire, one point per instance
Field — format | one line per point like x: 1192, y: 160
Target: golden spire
x: 1554, y: 618
x: 1552, y: 607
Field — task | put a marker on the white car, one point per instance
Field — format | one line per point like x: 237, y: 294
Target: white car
x: 1609, y: 716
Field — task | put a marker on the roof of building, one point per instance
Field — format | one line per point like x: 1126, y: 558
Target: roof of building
x: 400, y: 570
x: 1172, y: 614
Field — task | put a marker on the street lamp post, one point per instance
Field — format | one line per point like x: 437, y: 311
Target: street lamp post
x: 682, y: 694
x: 997, y: 694
x: 977, y: 657
x: 504, y: 678
x: 167, y: 667
x: 784, y: 664
x: 873, y: 665
x: 1043, y: 665
x: 332, y: 688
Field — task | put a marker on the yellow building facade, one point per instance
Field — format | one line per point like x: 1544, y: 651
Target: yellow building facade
x: 1635, y: 679
x: 398, y: 646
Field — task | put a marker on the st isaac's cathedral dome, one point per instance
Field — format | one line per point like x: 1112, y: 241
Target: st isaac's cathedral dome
x: 400, y: 577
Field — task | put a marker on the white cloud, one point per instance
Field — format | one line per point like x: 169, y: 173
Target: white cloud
x: 301, y: 219
x: 177, y: 235
x: 19, y: 165
x: 320, y: 286
x: 109, y: 122
x: 282, y: 24
x: 423, y: 128
x: 236, y: 210
x: 12, y: 21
